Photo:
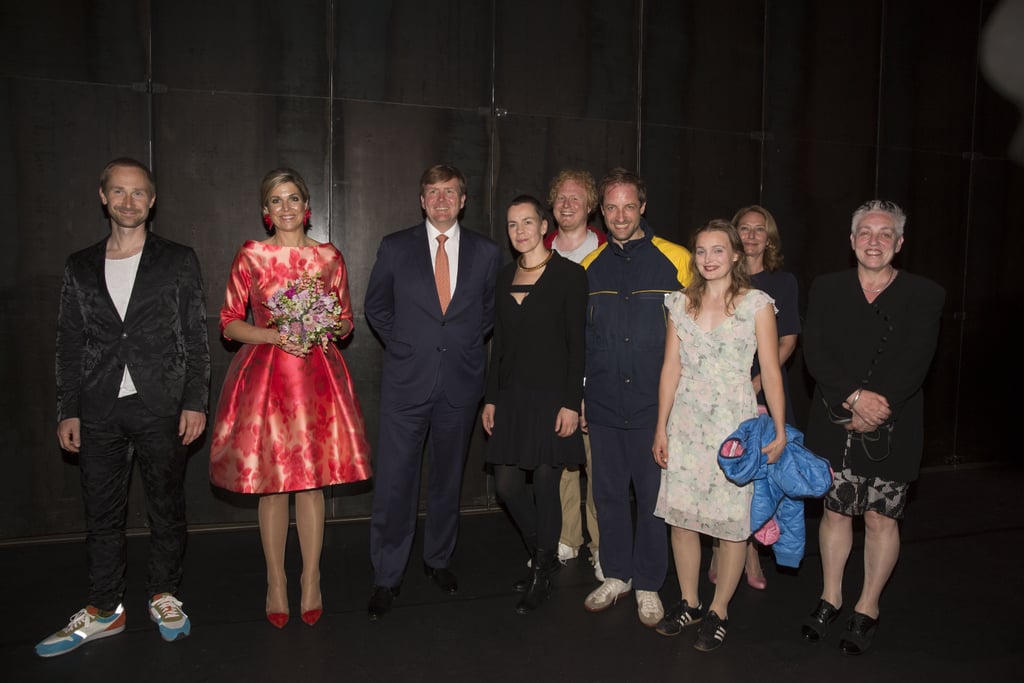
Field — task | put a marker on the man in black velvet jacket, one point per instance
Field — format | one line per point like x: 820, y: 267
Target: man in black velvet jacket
x: 133, y: 379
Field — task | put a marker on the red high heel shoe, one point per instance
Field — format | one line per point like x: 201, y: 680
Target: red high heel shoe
x: 279, y: 619
x: 311, y: 616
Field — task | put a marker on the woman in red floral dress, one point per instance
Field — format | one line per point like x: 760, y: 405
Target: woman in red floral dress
x: 288, y: 420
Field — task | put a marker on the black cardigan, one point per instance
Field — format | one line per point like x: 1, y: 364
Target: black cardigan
x: 886, y: 347
x: 544, y: 350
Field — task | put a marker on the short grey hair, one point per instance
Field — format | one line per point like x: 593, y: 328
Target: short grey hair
x: 899, y: 218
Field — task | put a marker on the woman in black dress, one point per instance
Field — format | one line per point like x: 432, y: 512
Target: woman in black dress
x: 534, y: 388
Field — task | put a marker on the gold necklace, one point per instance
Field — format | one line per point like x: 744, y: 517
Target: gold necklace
x: 530, y: 269
x: 892, y: 274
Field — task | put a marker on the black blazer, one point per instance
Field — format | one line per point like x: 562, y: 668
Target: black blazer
x: 163, y: 338
x: 885, y: 346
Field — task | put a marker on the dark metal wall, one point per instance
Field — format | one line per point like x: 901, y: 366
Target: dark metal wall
x: 809, y: 108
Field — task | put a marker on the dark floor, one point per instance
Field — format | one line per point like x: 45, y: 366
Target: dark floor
x: 951, y: 611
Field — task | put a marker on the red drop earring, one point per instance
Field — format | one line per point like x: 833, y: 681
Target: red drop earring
x: 268, y: 222
x: 305, y: 219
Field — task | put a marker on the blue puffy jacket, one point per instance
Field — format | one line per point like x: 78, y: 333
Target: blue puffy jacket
x: 779, y: 488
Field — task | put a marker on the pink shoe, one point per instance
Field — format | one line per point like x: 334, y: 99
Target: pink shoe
x: 756, y: 582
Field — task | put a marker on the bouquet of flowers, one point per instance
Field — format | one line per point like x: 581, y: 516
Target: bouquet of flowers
x: 304, y: 314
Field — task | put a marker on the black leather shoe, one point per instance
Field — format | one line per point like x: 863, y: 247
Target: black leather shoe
x: 858, y: 634
x: 444, y: 579
x: 816, y: 625
x: 380, y: 601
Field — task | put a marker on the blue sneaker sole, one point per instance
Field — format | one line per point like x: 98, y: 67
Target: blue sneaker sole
x: 171, y: 635
x: 64, y: 647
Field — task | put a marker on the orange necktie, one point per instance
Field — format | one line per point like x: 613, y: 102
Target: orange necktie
x: 441, y: 275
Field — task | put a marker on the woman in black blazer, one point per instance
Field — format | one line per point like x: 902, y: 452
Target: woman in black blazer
x: 535, y: 388
x: 869, y: 338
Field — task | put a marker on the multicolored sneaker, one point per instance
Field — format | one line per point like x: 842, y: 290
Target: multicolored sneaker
x: 165, y: 611
x: 85, y: 625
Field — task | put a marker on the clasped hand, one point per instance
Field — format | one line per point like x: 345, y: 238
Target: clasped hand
x: 870, y: 411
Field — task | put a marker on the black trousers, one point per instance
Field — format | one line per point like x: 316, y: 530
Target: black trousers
x: 109, y: 446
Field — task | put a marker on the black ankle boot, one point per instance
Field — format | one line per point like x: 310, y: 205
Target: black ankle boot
x: 539, y: 587
x: 520, y: 585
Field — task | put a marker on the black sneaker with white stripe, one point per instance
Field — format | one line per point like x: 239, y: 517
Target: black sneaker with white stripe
x: 711, y: 633
x: 679, y: 617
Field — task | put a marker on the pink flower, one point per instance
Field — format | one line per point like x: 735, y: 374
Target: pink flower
x: 304, y: 314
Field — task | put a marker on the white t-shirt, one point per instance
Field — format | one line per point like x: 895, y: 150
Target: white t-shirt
x: 576, y: 255
x: 120, y: 276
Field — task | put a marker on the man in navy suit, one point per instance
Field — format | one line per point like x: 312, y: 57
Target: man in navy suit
x: 431, y: 300
x: 133, y: 382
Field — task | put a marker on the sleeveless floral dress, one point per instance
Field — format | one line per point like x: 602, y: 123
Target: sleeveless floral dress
x: 713, y: 397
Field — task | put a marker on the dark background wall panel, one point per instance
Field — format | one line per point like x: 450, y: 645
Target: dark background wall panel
x: 693, y: 176
x: 703, y: 64
x: 573, y: 58
x: 97, y: 42
x: 404, y: 51
x: 829, y: 65
x: 257, y: 47
x: 612, y: 55
x: 995, y: 120
x: 991, y: 295
x: 928, y: 76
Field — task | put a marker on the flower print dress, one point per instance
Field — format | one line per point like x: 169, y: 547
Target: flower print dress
x: 285, y: 423
x: 713, y: 397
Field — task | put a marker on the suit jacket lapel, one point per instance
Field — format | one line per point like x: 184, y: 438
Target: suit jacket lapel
x: 421, y: 247
x: 423, y: 264
x: 465, y: 264
x: 98, y: 269
x: 150, y: 252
